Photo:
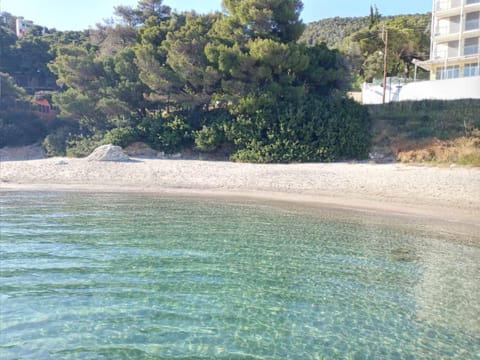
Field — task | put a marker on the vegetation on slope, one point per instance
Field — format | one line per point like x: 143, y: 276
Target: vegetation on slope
x: 361, y: 41
x: 440, y: 132
x: 332, y: 31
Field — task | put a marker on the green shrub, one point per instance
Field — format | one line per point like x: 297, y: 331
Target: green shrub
x: 169, y: 134
x: 122, y: 136
x: 281, y: 153
x: 21, y: 128
x: 82, y: 146
x: 55, y: 144
x: 209, y: 138
x: 60, y: 132
x: 314, y: 129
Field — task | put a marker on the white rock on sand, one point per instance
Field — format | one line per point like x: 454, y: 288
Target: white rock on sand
x: 108, y: 153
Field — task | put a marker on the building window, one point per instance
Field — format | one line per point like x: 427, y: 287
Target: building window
x: 448, y: 4
x: 472, y: 21
x: 443, y: 27
x: 471, y: 70
x: 447, y: 50
x: 449, y: 72
x: 441, y: 51
x: 471, y: 46
x: 454, y: 24
x: 473, y: 1
x: 449, y: 25
x: 453, y: 48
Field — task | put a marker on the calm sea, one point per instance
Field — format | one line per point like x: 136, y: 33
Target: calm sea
x: 108, y: 276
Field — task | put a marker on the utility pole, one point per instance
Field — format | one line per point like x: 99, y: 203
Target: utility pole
x: 385, y: 56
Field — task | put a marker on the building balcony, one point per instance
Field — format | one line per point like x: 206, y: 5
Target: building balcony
x: 445, y: 37
x: 451, y: 60
x: 471, y: 33
x: 448, y: 12
x: 472, y: 7
x: 469, y: 52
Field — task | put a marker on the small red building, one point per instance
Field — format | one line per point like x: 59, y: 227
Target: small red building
x: 44, y: 110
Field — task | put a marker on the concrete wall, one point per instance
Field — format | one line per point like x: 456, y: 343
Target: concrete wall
x: 451, y: 89
x: 373, y: 94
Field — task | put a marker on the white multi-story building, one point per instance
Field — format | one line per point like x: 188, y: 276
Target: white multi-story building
x: 455, y: 43
x: 454, y: 62
x: 23, y: 26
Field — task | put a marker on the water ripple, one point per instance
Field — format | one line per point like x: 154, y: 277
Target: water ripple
x: 114, y: 276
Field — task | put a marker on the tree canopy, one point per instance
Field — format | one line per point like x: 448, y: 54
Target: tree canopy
x: 238, y: 80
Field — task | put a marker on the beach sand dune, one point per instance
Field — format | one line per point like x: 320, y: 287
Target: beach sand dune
x: 448, y: 193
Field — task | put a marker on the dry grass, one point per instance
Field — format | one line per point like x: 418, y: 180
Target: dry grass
x: 462, y: 151
x: 433, y: 132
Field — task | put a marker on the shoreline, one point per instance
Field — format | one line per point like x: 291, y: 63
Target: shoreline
x: 337, y: 202
x: 447, y: 197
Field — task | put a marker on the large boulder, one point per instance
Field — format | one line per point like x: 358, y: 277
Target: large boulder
x: 108, y: 153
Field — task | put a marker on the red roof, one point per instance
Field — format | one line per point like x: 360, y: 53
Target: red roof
x: 43, y: 102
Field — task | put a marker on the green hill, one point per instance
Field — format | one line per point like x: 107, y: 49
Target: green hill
x: 359, y: 41
x: 333, y: 31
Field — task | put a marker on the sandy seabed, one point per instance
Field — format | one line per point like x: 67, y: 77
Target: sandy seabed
x: 448, y: 196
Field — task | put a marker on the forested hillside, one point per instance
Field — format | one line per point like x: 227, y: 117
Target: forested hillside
x: 332, y: 31
x: 361, y: 42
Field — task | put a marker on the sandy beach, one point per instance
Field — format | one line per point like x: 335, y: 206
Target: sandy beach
x: 449, y: 194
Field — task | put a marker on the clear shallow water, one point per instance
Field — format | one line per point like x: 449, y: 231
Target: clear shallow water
x: 134, y: 277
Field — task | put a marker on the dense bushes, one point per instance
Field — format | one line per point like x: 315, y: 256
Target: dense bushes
x: 60, y: 132
x: 81, y: 146
x: 209, y: 138
x: 260, y: 129
x: 122, y: 136
x: 170, y: 133
x: 18, y: 128
x: 314, y: 129
x: 210, y: 133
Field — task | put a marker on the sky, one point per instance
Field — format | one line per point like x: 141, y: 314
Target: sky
x: 84, y: 14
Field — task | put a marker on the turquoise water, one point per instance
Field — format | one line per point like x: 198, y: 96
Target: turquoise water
x: 107, y: 276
